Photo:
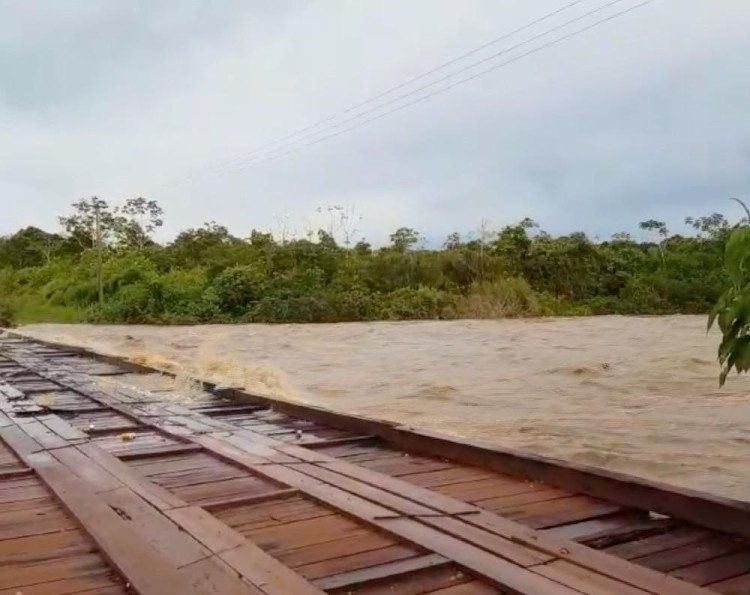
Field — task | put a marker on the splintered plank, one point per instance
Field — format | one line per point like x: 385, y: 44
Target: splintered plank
x: 672, y: 539
x: 561, y: 511
x: 600, y: 527
x: 615, y: 529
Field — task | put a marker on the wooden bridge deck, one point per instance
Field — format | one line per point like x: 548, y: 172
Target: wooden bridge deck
x: 108, y: 487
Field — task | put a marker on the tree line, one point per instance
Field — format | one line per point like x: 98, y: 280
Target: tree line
x: 105, y: 266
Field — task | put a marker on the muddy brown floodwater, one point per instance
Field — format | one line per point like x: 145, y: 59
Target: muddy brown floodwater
x: 632, y: 394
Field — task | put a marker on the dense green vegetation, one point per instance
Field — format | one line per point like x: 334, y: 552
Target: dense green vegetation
x: 104, y: 266
x: 732, y: 310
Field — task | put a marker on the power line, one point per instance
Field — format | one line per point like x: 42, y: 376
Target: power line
x: 274, y: 154
x: 419, y: 77
x: 462, y: 81
x: 283, y: 141
x: 442, y: 79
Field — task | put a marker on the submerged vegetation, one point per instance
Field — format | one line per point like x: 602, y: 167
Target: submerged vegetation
x: 105, y: 266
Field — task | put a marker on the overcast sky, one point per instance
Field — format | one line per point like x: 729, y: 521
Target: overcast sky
x: 646, y: 116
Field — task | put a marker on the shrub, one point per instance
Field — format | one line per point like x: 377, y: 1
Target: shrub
x: 237, y: 288
x: 503, y: 298
x: 7, y: 314
x: 423, y: 303
x: 303, y: 308
x: 352, y: 305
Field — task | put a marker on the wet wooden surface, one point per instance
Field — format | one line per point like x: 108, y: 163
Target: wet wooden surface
x: 110, y: 487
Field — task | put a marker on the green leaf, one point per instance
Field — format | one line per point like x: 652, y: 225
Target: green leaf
x: 736, y: 253
x: 723, y: 376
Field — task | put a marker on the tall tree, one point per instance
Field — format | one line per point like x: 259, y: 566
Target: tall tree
x: 404, y: 239
x: 92, y: 224
x: 136, y: 221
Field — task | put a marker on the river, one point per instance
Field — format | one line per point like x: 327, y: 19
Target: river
x: 633, y: 394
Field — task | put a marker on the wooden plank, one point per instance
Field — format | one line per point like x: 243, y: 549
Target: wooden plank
x: 145, y: 567
x: 586, y: 557
x: 584, y: 580
x: 83, y: 467
x: 595, y: 561
x: 717, y: 569
x: 159, y: 451
x: 207, y: 530
x: 444, y: 477
x: 418, y: 582
x: 11, y: 473
x: 269, y: 441
x: 10, y: 392
x: 41, y: 434
x: 581, y: 530
x: 250, y: 499
x: 739, y: 585
x: 62, y: 428
x: 672, y: 539
x: 244, y: 557
x: 179, y: 548
x: 611, y: 530
x: 315, y: 444
x: 20, y: 577
x: 381, y: 571
x: 339, y: 559
x: 467, y: 588
x: 213, y: 575
x: 705, y: 549
x: 396, y: 519
x: 500, y: 546
x: 561, y: 511
x: 156, y: 496
x: 175, y: 544
x: 506, y: 574
x: 716, y: 512
x: 20, y: 442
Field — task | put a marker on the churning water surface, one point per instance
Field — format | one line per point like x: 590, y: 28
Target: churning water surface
x: 632, y: 394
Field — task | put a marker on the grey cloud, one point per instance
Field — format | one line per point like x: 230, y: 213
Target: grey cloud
x: 644, y: 117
